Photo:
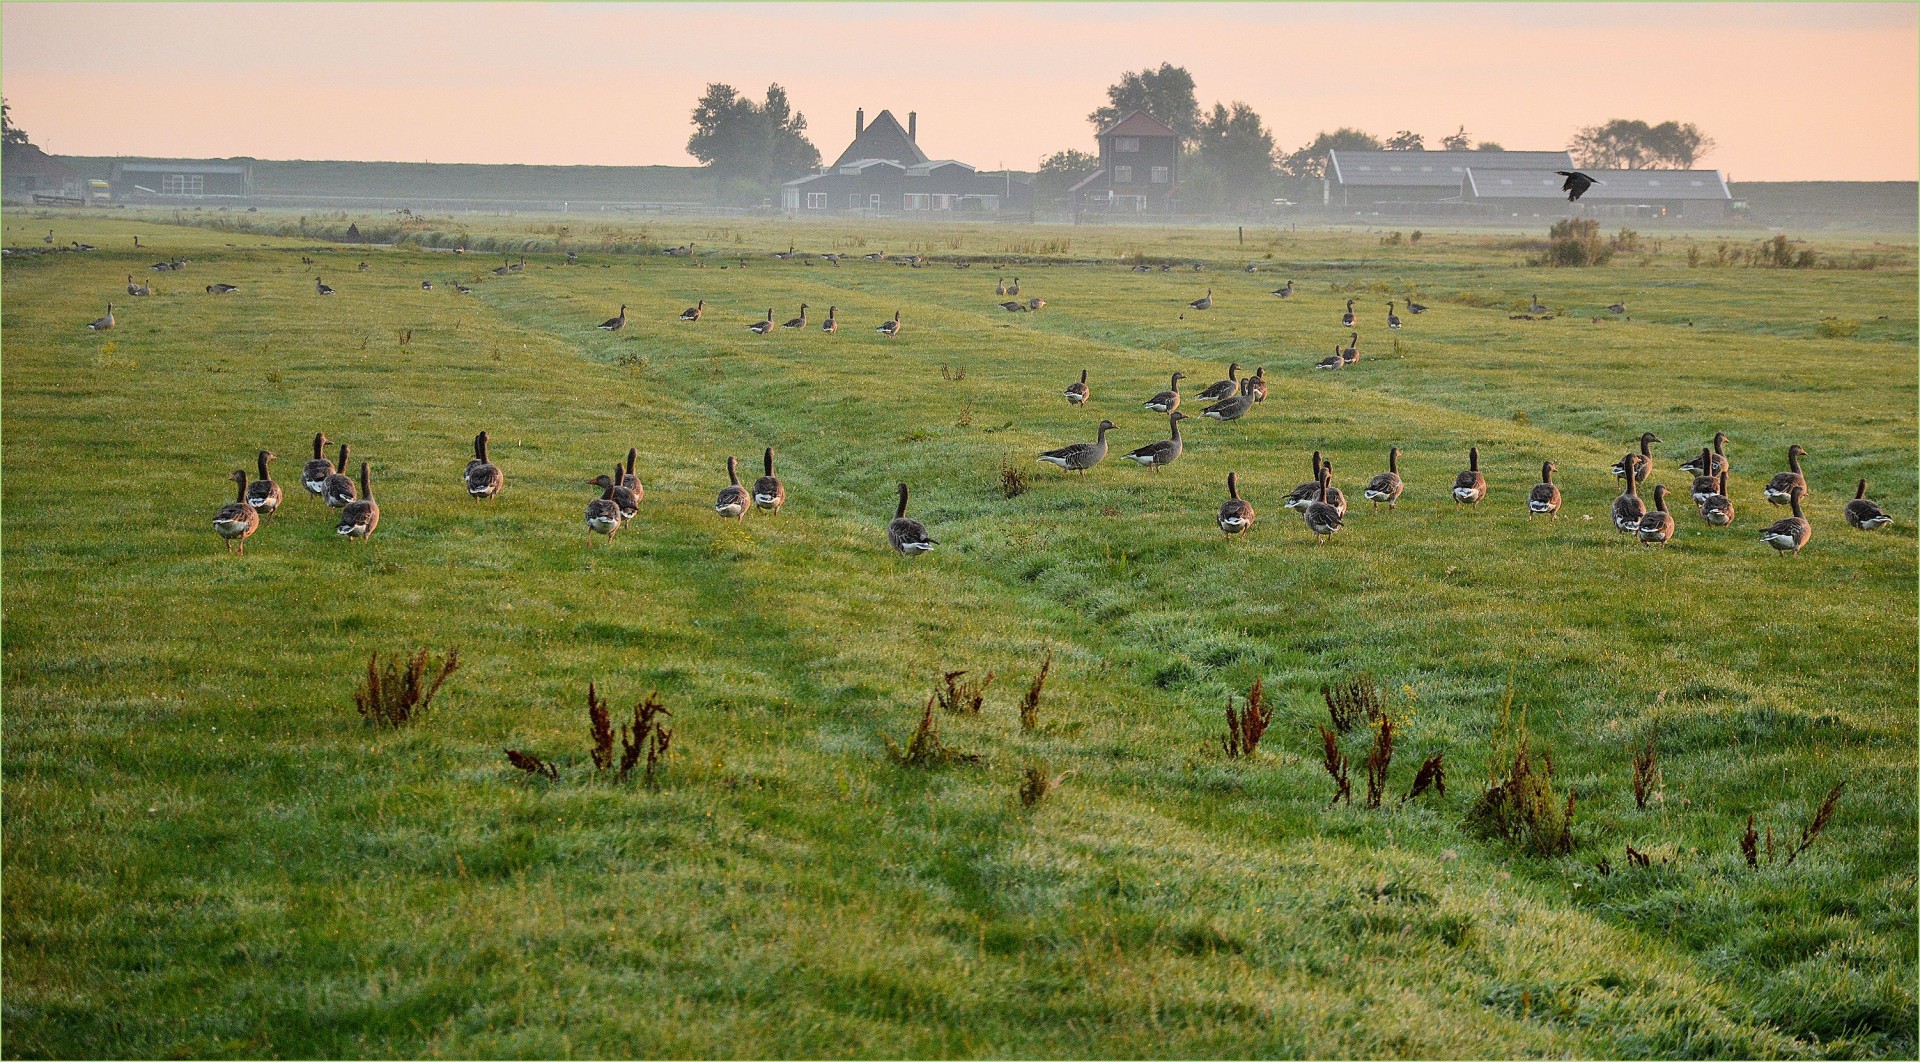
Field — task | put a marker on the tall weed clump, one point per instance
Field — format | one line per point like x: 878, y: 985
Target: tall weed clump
x: 1575, y: 242
x: 1520, y: 805
x: 398, y: 691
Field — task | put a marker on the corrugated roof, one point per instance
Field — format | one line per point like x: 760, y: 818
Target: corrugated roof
x: 863, y: 165
x: 882, y: 139
x: 1611, y: 185
x: 181, y: 166
x: 1432, y: 169
x: 1139, y: 123
x: 925, y: 168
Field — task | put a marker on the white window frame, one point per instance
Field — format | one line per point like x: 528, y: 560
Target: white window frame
x: 942, y: 201
x: 873, y: 201
x: 1123, y: 175
x: 816, y: 200
x: 914, y: 201
x: 1159, y: 174
x: 853, y: 200
x: 183, y: 184
x: 1126, y: 143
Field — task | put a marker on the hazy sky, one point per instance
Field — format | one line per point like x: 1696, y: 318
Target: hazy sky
x: 1789, y: 91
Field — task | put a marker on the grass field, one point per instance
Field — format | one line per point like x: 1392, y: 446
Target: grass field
x: 209, y: 853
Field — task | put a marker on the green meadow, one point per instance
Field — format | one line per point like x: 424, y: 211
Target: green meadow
x: 209, y: 853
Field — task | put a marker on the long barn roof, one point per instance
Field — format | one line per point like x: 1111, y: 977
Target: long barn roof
x: 1611, y: 185
x: 1432, y: 169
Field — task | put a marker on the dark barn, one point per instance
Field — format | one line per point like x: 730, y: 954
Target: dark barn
x: 1139, y: 168
x: 136, y: 179
x: 1372, y: 180
x: 884, y: 171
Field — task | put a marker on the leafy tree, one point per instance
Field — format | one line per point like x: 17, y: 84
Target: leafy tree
x: 9, y: 132
x: 1311, y: 159
x: 740, y: 140
x: 1060, y: 171
x: 1407, y: 140
x: 1488, y: 145
x: 1166, y: 93
x: 1235, y: 146
x: 1625, y: 144
x: 1459, y: 141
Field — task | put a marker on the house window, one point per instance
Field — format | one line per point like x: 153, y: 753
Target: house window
x: 1126, y: 143
x: 1123, y: 175
x: 873, y: 201
x: 942, y: 202
x: 853, y: 200
x: 913, y: 201
x: 1159, y: 175
x: 816, y: 200
x: 183, y: 184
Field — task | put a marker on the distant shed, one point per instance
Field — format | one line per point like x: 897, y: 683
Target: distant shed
x: 181, y: 179
x: 1362, y: 179
x: 27, y: 171
x: 1694, y: 194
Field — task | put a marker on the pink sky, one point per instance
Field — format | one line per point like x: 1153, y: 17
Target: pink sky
x: 1789, y: 91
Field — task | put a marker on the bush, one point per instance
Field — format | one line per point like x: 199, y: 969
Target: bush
x: 1519, y: 805
x: 1575, y: 242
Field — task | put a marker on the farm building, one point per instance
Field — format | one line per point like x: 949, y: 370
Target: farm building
x: 1369, y: 180
x: 1139, y: 168
x: 27, y: 171
x: 884, y: 171
x: 1693, y: 194
x: 181, y: 179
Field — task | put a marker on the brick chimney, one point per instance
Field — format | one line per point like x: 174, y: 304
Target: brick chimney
x: 859, y: 122
x: 913, y: 126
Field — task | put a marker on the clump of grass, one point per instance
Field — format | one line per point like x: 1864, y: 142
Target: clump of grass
x: 1013, y: 479
x: 1335, y: 763
x: 1646, y: 771
x: 645, y: 734
x: 399, y: 691
x: 1811, y: 831
x: 952, y: 374
x: 1519, y: 805
x: 1351, y: 701
x: 962, y: 698
x: 1036, y: 782
x: 1030, y: 703
x: 1379, y: 758
x: 925, y: 748
x: 1431, y: 775
x: 532, y: 764
x: 1246, y: 727
x: 1837, y: 328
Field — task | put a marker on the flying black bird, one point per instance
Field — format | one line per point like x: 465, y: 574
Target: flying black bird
x: 1576, y: 185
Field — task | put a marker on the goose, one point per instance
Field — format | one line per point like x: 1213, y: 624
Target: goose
x: 832, y: 260
x: 362, y: 515
x: 1143, y: 268
x: 1077, y: 393
x: 631, y: 482
x: 1347, y: 319
x: 831, y: 325
x: 1257, y: 384
x: 1285, y: 291
x: 1305, y: 493
x: 1352, y: 352
x: 1232, y: 408
x: 572, y: 257
x: 1321, y: 517
x: 363, y: 267
x: 514, y: 268
x: 799, y: 322
x: 1386, y: 486
x: 1220, y: 389
x: 461, y: 289
x: 1036, y: 303
x: 603, y: 513
x: 237, y: 519
x: 1717, y: 508
x: 625, y: 500
x: 1236, y: 514
x: 1332, y: 361
x: 1332, y: 494
x: 221, y: 289
x: 304, y: 260
x: 876, y: 256
x: 1780, y: 488
x: 1704, y: 484
x: 102, y: 324
x: 1204, y: 302
x: 180, y: 263
x: 136, y: 241
x: 1718, y: 462
x: 1168, y: 400
x: 905, y: 534
x: 768, y: 492
x: 320, y: 288
x: 1789, y: 534
x: 1618, y: 307
x: 1014, y: 288
x: 692, y: 313
x: 733, y: 500
x: 1535, y: 307
x: 1656, y: 527
x: 484, y: 479
x: 1393, y: 319
x: 338, y: 490
x: 1864, y: 513
x: 263, y: 493
x: 1080, y: 456
x: 1014, y: 307
x: 614, y: 324
x: 1628, y: 508
x: 1645, y: 462
x: 764, y: 325
x: 1544, y: 498
x: 137, y: 290
x: 1414, y: 307
x: 1576, y: 184
x: 999, y: 286
x: 500, y: 270
x: 681, y: 252
x: 48, y: 238
x: 161, y: 267
x: 1163, y: 452
x: 786, y: 254
x: 890, y: 328
x: 78, y: 246
x: 426, y: 285
x: 314, y: 475
x: 1470, y: 486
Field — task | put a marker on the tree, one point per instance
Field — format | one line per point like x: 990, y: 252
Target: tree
x: 1407, y: 140
x: 743, y: 141
x: 1234, y: 145
x: 1488, y: 145
x: 1624, y: 144
x: 1166, y: 93
x: 10, y: 133
x: 1459, y: 141
x: 1311, y: 159
x: 1060, y: 171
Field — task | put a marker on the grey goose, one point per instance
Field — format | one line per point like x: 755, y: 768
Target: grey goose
x: 1285, y: 291
x: 1717, y: 463
x: 1204, y: 302
x: 1393, y: 319
x: 1232, y: 408
x: 603, y: 513
x: 1656, y: 526
x: 1347, y: 319
x: 891, y: 328
x: 1645, y: 463
x: 798, y: 323
x: 361, y: 515
x: 1236, y: 513
x: 1164, y: 451
x: 102, y: 324
x: 1386, y: 486
x: 692, y: 313
x: 1864, y: 513
x: 321, y: 288
x: 1717, y: 508
x: 1080, y: 456
x: 1628, y: 508
x: 1544, y: 498
x: 1470, y: 486
x: 1790, y: 534
x: 1220, y: 389
x: 733, y: 501
x: 768, y: 492
x: 905, y: 534
x: 263, y: 493
x: 764, y: 325
x: 1336, y: 360
x: 314, y: 475
x: 237, y: 519
x: 221, y: 289
x: 1780, y: 488
x: 1304, y: 494
x: 1168, y: 400
x: 1257, y: 384
x: 137, y: 290
x: 1705, y: 484
x: 338, y: 490
x: 831, y: 325
x: 1077, y: 393
x: 616, y: 322
x: 484, y: 479
x: 1321, y: 517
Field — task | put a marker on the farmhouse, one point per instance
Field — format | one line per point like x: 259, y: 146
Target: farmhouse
x: 181, y: 179
x: 1371, y: 180
x: 884, y: 171
x: 1693, y: 194
x: 1139, y: 168
x: 27, y: 171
